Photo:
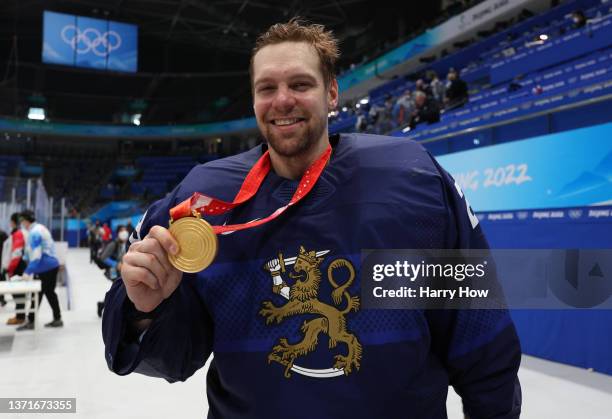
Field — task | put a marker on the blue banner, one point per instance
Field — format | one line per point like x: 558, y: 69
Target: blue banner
x: 55, y: 50
x: 567, y: 169
x: 124, y: 55
x: 90, y: 43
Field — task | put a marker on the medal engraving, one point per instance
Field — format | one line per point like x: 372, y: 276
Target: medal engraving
x: 197, y: 244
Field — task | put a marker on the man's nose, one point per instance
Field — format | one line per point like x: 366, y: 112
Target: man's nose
x: 284, y: 99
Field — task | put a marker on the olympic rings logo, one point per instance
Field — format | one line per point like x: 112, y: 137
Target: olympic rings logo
x: 91, y: 40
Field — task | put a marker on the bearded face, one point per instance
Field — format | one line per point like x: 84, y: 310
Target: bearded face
x: 291, y: 100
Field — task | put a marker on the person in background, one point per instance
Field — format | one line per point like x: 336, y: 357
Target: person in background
x: 385, y: 120
x: 42, y: 262
x: 579, y: 19
x: 95, y: 241
x: 421, y: 86
x: 3, y: 237
x: 426, y: 109
x: 15, y: 264
x: 111, y: 258
x: 405, y: 105
x: 456, y: 90
x: 107, y: 234
x: 438, y: 89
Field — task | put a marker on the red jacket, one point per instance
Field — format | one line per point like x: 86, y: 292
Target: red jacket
x: 17, y: 243
x: 108, y: 234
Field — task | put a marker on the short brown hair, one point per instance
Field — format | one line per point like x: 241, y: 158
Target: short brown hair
x: 323, y: 41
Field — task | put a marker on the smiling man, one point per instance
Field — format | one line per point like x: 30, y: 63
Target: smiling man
x: 280, y: 308
x: 293, y: 92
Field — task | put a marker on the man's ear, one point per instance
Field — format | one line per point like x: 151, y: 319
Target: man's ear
x: 332, y: 94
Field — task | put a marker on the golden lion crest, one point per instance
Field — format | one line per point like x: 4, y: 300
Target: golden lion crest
x: 303, y: 298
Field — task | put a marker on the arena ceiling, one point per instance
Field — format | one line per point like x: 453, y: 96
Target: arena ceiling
x: 193, y: 55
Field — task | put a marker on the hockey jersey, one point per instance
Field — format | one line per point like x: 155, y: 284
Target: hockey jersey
x: 286, y: 343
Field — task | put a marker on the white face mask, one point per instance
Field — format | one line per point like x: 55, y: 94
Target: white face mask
x: 123, y: 235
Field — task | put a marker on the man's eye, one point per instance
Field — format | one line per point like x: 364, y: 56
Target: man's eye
x: 266, y: 88
x: 301, y: 86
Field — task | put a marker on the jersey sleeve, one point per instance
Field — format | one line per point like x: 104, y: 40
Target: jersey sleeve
x: 479, y: 348
x: 179, y: 340
x: 16, y: 252
x: 34, y: 253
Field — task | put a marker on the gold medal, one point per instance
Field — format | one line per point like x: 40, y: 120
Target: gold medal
x: 197, y: 244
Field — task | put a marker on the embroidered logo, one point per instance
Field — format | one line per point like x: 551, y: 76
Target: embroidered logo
x: 303, y: 298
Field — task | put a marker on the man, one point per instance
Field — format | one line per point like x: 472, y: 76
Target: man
x: 426, y: 109
x: 111, y: 256
x: 438, y: 89
x: 405, y: 105
x: 3, y: 238
x: 42, y: 262
x: 579, y: 19
x: 456, y: 90
x: 15, y: 264
x: 255, y: 307
x: 95, y: 240
x: 421, y: 86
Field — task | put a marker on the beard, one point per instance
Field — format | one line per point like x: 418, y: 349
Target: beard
x: 295, y: 143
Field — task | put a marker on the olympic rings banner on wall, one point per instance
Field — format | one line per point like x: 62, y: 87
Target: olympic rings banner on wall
x: 89, y: 43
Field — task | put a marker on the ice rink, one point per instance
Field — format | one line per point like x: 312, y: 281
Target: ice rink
x: 69, y: 362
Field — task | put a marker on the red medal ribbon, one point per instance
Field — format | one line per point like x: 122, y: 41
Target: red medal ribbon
x: 207, y: 205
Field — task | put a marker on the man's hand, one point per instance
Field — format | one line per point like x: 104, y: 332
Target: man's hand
x: 148, y: 276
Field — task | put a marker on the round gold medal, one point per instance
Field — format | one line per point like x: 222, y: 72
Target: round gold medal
x: 197, y: 244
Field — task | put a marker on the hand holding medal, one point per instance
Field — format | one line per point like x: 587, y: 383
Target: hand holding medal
x: 197, y: 239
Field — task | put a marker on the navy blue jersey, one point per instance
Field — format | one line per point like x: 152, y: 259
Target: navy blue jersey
x: 280, y: 306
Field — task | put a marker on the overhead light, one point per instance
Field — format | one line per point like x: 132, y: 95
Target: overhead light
x: 345, y: 109
x: 543, y: 37
x: 136, y: 119
x: 364, y: 101
x: 37, y: 114
x: 358, y: 106
x: 406, y: 129
x: 219, y: 140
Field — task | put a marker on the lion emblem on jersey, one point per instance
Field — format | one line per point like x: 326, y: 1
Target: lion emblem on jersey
x: 303, y: 298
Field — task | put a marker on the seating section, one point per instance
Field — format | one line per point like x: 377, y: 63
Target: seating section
x: 577, y: 81
x: 572, y: 67
x: 565, y: 79
x: 9, y: 166
x: 160, y: 174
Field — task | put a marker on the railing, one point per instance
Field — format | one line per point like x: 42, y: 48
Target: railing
x: 545, y: 112
x: 18, y: 194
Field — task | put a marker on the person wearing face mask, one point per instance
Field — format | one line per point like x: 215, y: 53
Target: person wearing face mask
x: 111, y: 257
x: 42, y: 262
